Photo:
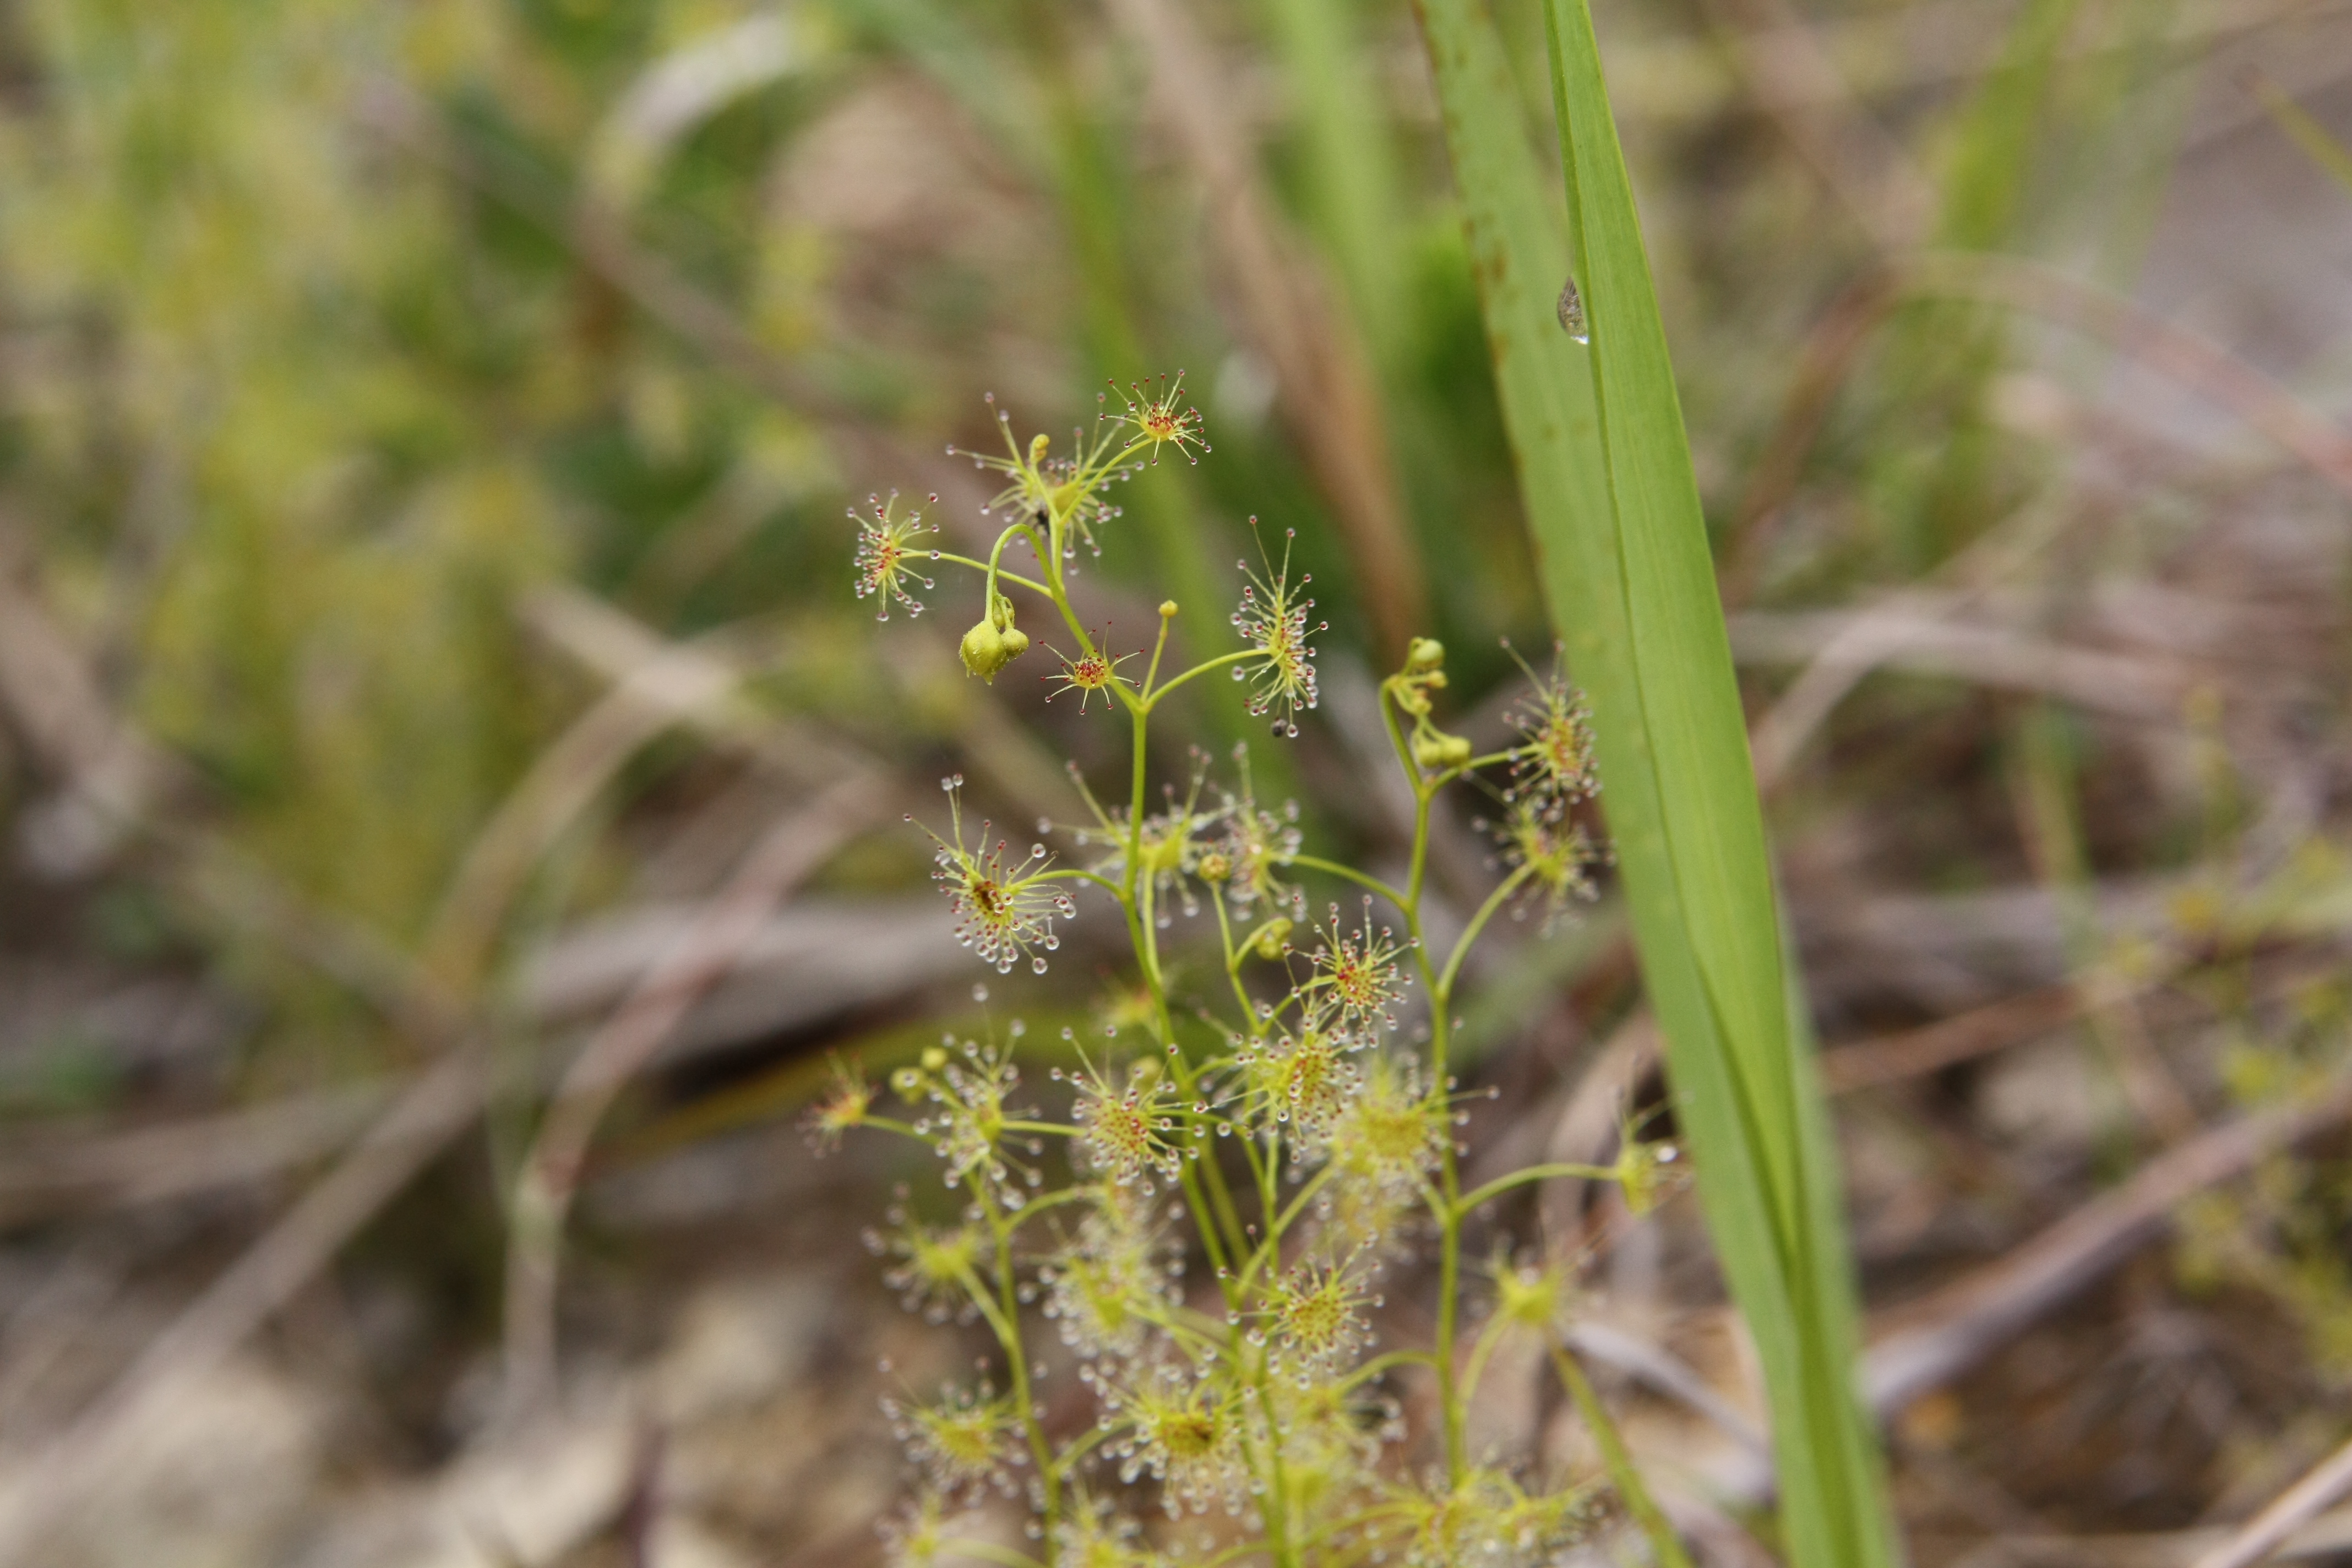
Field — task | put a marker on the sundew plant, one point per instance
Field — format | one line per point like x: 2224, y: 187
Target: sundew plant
x: 1247, y: 1157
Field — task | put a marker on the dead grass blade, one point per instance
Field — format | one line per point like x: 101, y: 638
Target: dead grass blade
x: 419, y: 1125
x: 1799, y: 86
x: 626, y: 1043
x: 1325, y: 385
x: 2297, y: 1507
x: 2171, y: 351
x: 1958, y: 1325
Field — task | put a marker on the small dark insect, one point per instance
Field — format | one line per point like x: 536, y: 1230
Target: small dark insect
x: 1571, y: 312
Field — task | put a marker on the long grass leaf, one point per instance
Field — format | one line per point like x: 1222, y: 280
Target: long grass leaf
x: 1684, y: 697
x: 1605, y: 476
x: 2307, y: 133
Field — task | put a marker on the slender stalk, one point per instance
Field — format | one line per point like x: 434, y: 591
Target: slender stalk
x: 1502, y: 1184
x: 1159, y: 646
x: 1004, y: 1316
x: 1495, y: 900
x: 1002, y: 576
x: 1234, y: 965
x: 1348, y: 873
x: 1381, y: 1364
x: 1663, y: 1541
x: 1482, y: 1350
x: 1201, y: 668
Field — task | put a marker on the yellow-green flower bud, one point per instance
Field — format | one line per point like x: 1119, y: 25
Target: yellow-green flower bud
x: 1270, y: 939
x: 934, y: 1057
x: 1167, y: 609
x: 1642, y: 1175
x: 1215, y: 866
x: 1423, y: 655
x: 988, y: 647
x: 983, y: 650
x: 1436, y: 749
x: 1531, y: 1297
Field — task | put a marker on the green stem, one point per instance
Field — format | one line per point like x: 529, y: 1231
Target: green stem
x: 1638, y: 1501
x: 1275, y: 1506
x: 1234, y: 963
x: 1348, y: 873
x: 1202, y: 669
x: 1159, y: 646
x: 1285, y: 1220
x: 1012, y: 577
x: 1494, y: 899
x: 1073, y: 874
x: 1480, y: 1351
x: 1381, y: 1364
x: 996, y: 556
x: 1017, y: 1360
x: 1080, y: 1446
x: 1501, y: 1185
x: 1449, y: 1306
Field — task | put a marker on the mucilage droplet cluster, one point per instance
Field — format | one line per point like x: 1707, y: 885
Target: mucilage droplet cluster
x: 1203, y: 1213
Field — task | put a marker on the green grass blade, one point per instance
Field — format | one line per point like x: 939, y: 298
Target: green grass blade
x: 1352, y: 191
x: 1991, y: 158
x: 1796, y: 1291
x: 1605, y: 474
x: 2307, y: 133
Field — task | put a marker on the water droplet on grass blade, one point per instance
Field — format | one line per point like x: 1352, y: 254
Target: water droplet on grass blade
x: 1571, y: 312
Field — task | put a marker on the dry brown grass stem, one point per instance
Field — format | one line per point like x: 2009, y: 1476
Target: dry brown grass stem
x: 1838, y: 648
x: 1326, y: 389
x: 2295, y: 1508
x: 1801, y: 89
x: 1925, y: 1344
x: 47, y: 1172
x: 1839, y: 338
x: 565, y: 779
x: 1827, y: 358
x: 600, y: 241
x: 1947, y: 1042
x: 1928, y: 1342
x: 109, y: 776
x: 626, y: 1043
x: 420, y: 1123
x: 2171, y: 351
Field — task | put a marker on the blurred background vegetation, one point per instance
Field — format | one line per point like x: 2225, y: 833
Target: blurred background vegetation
x: 424, y: 436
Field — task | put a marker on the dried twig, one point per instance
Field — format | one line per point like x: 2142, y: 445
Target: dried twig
x: 1958, y: 1325
x: 1915, y: 1053
x: 1324, y: 384
x: 2171, y: 351
x: 704, y: 953
x: 1900, y: 637
x: 418, y: 1125
x: 1828, y: 357
x: 563, y: 782
x: 1801, y: 89
x: 597, y: 238
x: 45, y: 1172
x: 2293, y: 1508
x: 1928, y: 1342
